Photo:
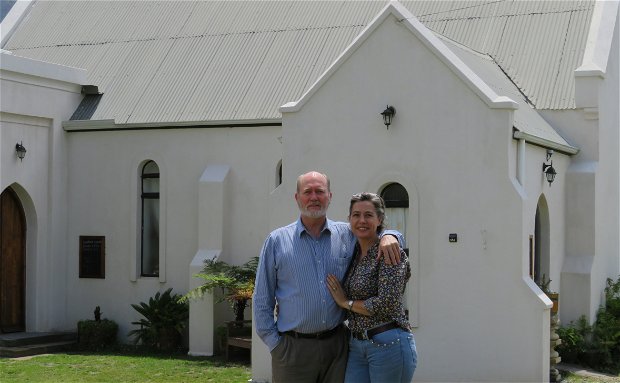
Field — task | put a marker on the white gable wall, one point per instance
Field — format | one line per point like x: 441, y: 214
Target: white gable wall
x: 451, y: 153
x: 36, y: 98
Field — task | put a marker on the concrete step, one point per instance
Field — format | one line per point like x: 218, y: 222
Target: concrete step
x: 13, y: 345
x: 17, y: 339
x: 34, y: 349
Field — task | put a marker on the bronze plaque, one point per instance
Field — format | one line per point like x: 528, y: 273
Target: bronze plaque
x: 92, y: 256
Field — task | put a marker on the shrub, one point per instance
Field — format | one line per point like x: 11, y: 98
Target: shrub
x: 596, y: 346
x: 164, y: 320
x: 236, y: 282
x: 574, y: 340
x: 96, y: 334
x: 607, y: 328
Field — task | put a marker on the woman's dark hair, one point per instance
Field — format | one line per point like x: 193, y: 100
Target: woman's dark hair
x: 377, y: 202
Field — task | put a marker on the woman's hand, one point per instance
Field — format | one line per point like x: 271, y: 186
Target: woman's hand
x: 335, y: 289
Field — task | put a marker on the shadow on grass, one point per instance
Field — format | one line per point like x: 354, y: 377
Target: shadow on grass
x: 239, y: 358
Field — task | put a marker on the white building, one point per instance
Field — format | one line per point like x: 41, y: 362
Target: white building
x: 228, y: 102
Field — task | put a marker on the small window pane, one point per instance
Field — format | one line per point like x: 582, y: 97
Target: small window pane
x: 150, y: 185
x: 151, y: 168
x: 150, y: 237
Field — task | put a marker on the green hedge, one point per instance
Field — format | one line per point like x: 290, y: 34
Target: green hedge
x: 96, y: 335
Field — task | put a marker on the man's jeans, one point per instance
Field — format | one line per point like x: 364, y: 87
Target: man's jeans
x: 390, y: 356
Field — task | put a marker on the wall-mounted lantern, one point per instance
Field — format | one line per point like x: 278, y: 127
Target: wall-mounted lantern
x: 388, y: 114
x: 20, y: 150
x: 548, y: 169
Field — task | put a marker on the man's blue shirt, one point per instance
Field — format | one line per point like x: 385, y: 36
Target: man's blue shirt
x: 292, y: 270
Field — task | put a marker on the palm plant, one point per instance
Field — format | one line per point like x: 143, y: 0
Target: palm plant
x: 165, y: 317
x: 236, y: 282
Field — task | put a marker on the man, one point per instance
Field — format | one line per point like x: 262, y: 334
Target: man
x: 308, y: 342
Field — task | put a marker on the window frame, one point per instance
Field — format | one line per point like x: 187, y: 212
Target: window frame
x: 149, y: 196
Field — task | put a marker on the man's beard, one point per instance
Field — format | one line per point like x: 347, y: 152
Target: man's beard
x: 314, y: 213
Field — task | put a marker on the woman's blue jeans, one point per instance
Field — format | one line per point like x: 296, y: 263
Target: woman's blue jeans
x: 390, y: 356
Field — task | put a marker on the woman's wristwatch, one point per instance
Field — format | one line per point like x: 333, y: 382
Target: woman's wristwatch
x: 350, y: 304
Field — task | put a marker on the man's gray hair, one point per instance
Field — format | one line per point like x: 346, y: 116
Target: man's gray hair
x: 322, y: 174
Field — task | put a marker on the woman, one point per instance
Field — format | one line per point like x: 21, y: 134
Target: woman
x: 381, y: 348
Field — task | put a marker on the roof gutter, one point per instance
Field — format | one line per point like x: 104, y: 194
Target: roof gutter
x: 110, y: 125
x: 566, y: 149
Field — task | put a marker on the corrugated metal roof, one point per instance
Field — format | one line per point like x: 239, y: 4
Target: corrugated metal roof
x: 537, y: 43
x: 526, y: 119
x: 176, y: 62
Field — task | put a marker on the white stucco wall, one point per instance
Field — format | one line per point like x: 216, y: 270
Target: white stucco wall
x: 104, y: 194
x: 551, y: 198
x: 451, y: 153
x: 608, y: 184
x: 593, y: 191
x: 36, y: 97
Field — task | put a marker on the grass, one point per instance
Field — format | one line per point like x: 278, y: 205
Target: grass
x: 121, y: 367
x: 130, y: 365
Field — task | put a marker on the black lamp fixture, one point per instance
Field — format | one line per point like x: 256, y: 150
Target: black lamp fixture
x: 388, y: 114
x: 548, y: 170
x: 20, y: 150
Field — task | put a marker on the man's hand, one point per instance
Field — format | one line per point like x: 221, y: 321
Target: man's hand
x: 389, y: 249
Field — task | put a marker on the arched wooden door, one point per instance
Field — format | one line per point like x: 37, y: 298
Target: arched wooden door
x: 12, y: 263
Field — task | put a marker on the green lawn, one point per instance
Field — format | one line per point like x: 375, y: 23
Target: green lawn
x: 141, y: 367
x: 102, y: 367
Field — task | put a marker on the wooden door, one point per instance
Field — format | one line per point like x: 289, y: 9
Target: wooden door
x: 12, y: 263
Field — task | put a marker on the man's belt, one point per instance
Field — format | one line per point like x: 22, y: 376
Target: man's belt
x: 368, y: 334
x: 316, y: 335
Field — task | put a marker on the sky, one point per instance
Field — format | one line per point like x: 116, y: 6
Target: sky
x: 5, y: 7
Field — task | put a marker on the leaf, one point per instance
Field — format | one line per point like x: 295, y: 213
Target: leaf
x: 236, y: 282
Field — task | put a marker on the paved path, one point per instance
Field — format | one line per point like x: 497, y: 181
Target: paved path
x: 578, y: 370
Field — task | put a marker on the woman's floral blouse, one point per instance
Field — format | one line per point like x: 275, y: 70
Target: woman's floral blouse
x: 381, y: 288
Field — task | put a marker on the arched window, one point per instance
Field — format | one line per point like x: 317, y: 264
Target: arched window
x: 396, y: 203
x: 395, y: 195
x: 279, y: 173
x: 540, y: 263
x: 150, y: 220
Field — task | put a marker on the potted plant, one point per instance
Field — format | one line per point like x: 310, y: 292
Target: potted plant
x: 554, y: 296
x: 236, y: 282
x: 165, y: 317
